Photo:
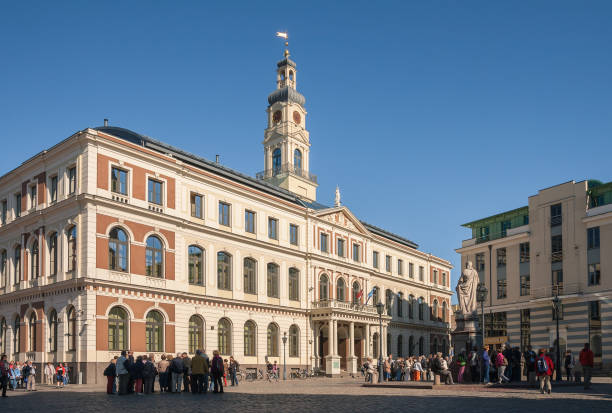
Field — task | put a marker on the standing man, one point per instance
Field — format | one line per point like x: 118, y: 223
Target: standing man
x: 544, y: 371
x: 217, y: 370
x: 186, y: 372
x: 176, y: 370
x: 122, y: 373
x: 197, y: 373
x: 4, y: 374
x: 234, y: 367
x: 586, y: 361
x: 486, y: 364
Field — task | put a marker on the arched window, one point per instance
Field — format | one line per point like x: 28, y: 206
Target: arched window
x: 196, y: 265
x: 250, y: 340
x: 411, y: 306
x: 340, y: 289
x: 72, y: 248
x: 375, y: 296
x: 154, y: 257
x: 356, y: 292
x: 324, y: 287
x: 117, y: 329
x: 434, y: 311
x: 35, y: 264
x: 32, y: 332
x: 444, y: 310
x: 273, y: 280
x: 294, y: 284
x: 118, y: 250
x: 154, y: 331
x: 411, y: 346
x: 53, y: 331
x: 224, y: 271
x: 53, y: 255
x: 3, y: 329
x: 400, y: 345
x: 250, y: 276
x: 400, y: 304
x: 421, y: 308
x: 196, y: 334
x: 224, y: 336
x: 297, y: 161
x: 71, y: 335
x: 272, y: 340
x: 294, y: 341
x: 17, y: 264
x: 3, y: 268
x: 421, y: 346
x: 276, y: 161
x: 16, y: 335
x: 375, y: 345
x: 389, y: 301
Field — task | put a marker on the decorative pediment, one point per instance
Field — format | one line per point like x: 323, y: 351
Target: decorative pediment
x: 342, y: 217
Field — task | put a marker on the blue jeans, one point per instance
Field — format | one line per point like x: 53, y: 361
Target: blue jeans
x: 485, y: 376
x: 234, y: 379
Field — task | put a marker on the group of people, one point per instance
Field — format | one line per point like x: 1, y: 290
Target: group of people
x: 199, y: 374
x: 16, y: 375
x: 486, y: 366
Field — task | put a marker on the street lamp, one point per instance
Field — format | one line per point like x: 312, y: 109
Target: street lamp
x: 284, y: 356
x: 380, y: 309
x: 556, y: 307
x: 481, y: 296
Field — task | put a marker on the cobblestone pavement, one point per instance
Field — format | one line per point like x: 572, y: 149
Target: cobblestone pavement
x: 317, y: 395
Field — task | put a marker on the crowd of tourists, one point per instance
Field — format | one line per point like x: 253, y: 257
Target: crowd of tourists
x: 16, y: 375
x: 199, y: 374
x: 487, y: 366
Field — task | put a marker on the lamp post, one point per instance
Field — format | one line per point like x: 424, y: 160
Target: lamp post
x: 380, y: 309
x: 481, y: 296
x: 556, y: 307
x: 284, y: 356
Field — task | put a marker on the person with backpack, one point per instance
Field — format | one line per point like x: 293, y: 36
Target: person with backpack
x: 110, y: 372
x: 586, y: 361
x: 544, y: 371
x: 176, y: 371
x: 501, y: 362
x: 148, y: 373
x: 569, y: 363
x: 4, y: 374
x: 60, y: 371
x: 217, y: 370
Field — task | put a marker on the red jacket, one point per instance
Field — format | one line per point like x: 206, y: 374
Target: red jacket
x: 586, y: 358
x: 549, y: 364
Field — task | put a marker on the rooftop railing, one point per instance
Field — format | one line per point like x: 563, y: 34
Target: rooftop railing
x: 286, y: 169
x: 344, y: 305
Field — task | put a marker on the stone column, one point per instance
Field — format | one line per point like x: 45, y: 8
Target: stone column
x: 366, y: 350
x: 351, y: 359
x: 383, y: 350
x: 332, y: 360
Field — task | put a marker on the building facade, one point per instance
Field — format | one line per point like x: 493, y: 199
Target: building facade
x: 111, y: 240
x: 559, y: 245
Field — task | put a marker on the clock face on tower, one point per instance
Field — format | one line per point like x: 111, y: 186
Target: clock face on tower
x: 296, y: 117
x: 276, y: 118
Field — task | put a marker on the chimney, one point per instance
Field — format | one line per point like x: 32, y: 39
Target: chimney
x: 217, y: 158
x: 105, y: 122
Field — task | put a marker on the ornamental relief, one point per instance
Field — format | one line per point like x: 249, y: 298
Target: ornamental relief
x: 341, y: 219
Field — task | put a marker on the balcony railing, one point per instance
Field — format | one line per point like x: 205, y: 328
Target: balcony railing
x: 343, y: 305
x: 286, y: 169
x: 556, y: 256
x: 557, y: 289
x: 555, y: 220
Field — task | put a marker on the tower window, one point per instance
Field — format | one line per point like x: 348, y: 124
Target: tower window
x: 297, y: 161
x: 276, y: 161
x: 277, y: 117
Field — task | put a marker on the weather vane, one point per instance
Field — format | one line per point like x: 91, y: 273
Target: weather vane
x: 285, y: 36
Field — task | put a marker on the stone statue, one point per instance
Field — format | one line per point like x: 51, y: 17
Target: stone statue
x: 466, y: 290
x: 337, y: 199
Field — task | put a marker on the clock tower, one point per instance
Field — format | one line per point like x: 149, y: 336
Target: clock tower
x: 286, y: 140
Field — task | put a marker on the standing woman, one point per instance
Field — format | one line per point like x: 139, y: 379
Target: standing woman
x: 49, y: 373
x: 60, y: 371
x: 162, y: 369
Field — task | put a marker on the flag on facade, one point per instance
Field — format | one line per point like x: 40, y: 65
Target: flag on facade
x: 359, y: 294
x: 370, y: 294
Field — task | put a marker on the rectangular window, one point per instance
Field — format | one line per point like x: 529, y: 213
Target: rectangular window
x: 421, y: 273
x: 17, y: 205
x: 483, y: 234
x: 119, y: 181
x: 501, y: 257
x: 33, y: 198
x: 525, y: 329
x: 155, y: 191
x: 435, y: 276
x: 53, y: 189
x: 593, y: 238
x: 411, y: 270
x: 400, y: 267
x: 556, y: 242
x: 495, y: 325
x: 196, y: 205
x: 524, y: 252
x: 525, y: 285
x: 72, y: 180
x: 340, y: 247
x: 557, y: 282
x: 444, y: 278
x: 375, y: 259
x: 249, y: 221
x: 356, y: 252
x: 293, y: 234
x: 388, y: 263
x: 555, y: 215
x: 480, y: 262
x: 594, y: 274
x: 273, y: 228
x: 3, y: 212
x: 506, y: 225
x: 224, y: 214
x: 323, y: 243
x: 501, y: 285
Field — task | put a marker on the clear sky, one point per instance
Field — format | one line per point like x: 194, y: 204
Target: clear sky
x: 427, y: 114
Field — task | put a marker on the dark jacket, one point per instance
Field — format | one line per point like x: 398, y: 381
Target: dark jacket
x: 110, y: 370
x: 199, y: 365
x: 177, y: 366
x: 216, y: 366
x: 137, y: 370
x: 149, y: 371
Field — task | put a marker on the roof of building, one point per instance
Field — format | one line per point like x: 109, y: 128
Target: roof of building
x: 286, y: 94
x: 497, y: 217
x: 218, y: 169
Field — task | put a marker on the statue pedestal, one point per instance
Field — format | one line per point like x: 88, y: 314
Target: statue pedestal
x: 332, y: 366
x: 466, y: 334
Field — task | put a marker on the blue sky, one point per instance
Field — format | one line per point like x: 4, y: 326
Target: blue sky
x: 427, y: 114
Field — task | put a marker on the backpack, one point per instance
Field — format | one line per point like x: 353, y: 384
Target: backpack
x: 542, y: 365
